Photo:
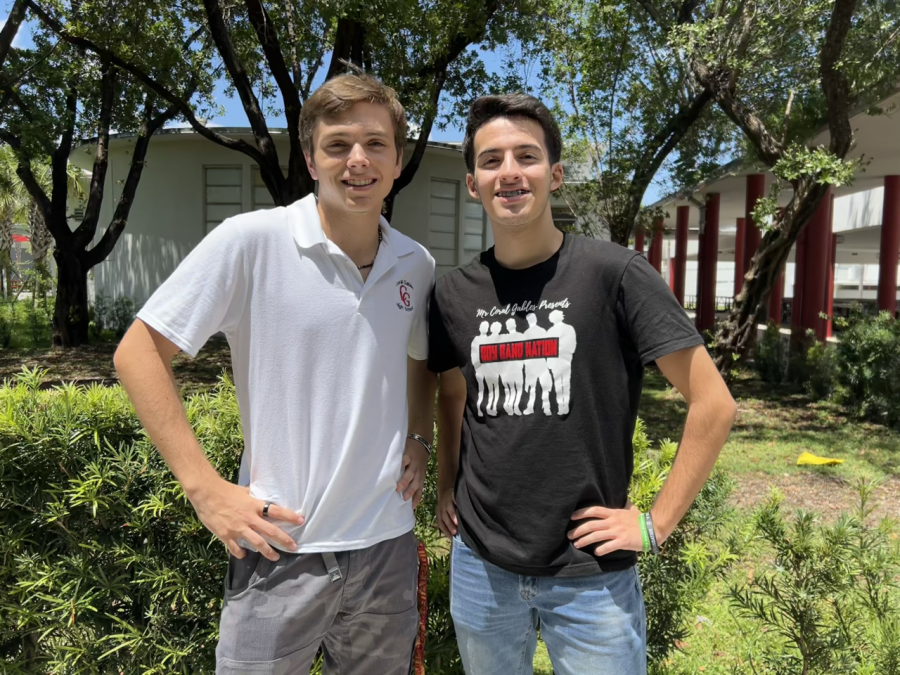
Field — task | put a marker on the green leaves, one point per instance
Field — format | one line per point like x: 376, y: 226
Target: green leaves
x: 831, y: 593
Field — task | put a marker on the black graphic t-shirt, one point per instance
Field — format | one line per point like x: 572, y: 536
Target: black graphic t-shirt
x: 553, y: 356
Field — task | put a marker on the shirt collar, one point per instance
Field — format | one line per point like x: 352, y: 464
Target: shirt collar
x: 308, y: 229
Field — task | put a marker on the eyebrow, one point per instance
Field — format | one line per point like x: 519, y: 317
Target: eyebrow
x: 524, y: 146
x: 345, y: 134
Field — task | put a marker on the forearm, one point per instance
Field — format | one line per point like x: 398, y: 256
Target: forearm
x: 705, y: 432
x: 421, y: 385
x: 147, y: 378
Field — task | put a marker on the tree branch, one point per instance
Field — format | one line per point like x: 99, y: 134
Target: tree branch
x: 88, y: 227
x: 665, y: 140
x: 654, y: 14
x: 11, y: 29
x: 149, y: 126
x: 161, y: 90
x: 59, y: 163
x: 298, y: 173
x: 292, y: 36
x: 834, y: 84
x: 26, y: 175
x: 415, y: 160
x: 766, y: 145
x: 348, y: 45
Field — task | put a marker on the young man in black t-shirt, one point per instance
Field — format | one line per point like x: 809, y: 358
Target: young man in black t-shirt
x: 541, y: 344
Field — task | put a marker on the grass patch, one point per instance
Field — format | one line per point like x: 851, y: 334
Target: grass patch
x: 775, y: 425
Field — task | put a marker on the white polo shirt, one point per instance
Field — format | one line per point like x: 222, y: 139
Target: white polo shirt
x: 319, y: 360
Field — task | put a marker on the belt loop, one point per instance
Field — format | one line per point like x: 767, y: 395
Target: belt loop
x: 331, y: 565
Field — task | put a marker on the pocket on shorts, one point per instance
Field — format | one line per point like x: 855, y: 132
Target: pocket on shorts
x: 243, y: 572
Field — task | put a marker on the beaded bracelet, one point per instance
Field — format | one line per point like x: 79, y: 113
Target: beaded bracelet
x: 651, y: 533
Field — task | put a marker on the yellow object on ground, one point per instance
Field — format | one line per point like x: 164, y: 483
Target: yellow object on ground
x: 809, y: 458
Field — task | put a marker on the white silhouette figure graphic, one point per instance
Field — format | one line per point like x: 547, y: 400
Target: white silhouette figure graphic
x: 536, y: 370
x: 511, y: 373
x: 561, y: 367
x: 492, y: 371
x: 476, y: 362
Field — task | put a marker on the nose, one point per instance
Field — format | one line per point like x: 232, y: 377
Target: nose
x: 509, y: 169
x: 357, y: 159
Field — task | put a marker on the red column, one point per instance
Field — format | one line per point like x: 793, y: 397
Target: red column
x: 654, y: 254
x: 756, y: 188
x: 709, y: 253
x: 799, y: 273
x: 815, y: 278
x: 639, y: 240
x: 890, y: 246
x: 739, y: 237
x: 829, y: 291
x: 682, y: 219
x: 775, y: 299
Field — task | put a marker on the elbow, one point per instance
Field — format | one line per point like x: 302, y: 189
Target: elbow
x: 729, y: 410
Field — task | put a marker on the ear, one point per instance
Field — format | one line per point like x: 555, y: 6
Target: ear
x: 310, y: 166
x: 399, y: 168
x: 556, y: 176
x: 473, y: 188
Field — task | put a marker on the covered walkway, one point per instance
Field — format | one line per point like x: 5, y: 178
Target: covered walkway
x: 848, y: 253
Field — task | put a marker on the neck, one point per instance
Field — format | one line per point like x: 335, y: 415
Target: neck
x: 527, y: 245
x: 356, y: 234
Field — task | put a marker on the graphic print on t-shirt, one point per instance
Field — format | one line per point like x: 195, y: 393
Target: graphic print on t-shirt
x: 518, y: 364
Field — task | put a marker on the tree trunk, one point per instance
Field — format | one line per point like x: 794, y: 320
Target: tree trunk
x: 737, y: 336
x: 70, y: 315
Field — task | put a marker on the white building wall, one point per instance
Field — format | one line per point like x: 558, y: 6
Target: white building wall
x: 168, y: 217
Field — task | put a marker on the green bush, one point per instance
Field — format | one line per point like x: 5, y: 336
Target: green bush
x: 821, y: 370
x: 868, y: 361
x: 693, y: 556
x: 831, y: 595
x: 114, y: 314
x: 106, y: 569
x: 770, y: 360
x: 37, y: 320
x: 7, y: 321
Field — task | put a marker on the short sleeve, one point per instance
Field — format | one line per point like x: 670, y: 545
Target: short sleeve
x: 204, y: 295
x: 657, y: 325
x: 418, y: 331
x: 441, y: 352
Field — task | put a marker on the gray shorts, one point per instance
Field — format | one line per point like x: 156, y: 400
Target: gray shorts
x: 277, y: 614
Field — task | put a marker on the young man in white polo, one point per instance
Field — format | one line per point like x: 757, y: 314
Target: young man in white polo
x: 535, y: 493
x: 324, y: 307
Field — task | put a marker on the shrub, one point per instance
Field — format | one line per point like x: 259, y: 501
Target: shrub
x: 831, y: 595
x: 821, y: 370
x: 868, y: 361
x: 7, y: 321
x: 692, y: 557
x: 115, y: 314
x: 770, y: 360
x: 37, y: 320
x: 106, y: 568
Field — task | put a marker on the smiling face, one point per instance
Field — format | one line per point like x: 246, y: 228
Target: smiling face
x: 513, y: 176
x: 355, y: 158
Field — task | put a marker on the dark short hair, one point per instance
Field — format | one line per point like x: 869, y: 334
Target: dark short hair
x: 486, y: 108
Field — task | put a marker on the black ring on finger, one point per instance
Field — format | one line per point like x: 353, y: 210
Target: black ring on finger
x: 265, y: 512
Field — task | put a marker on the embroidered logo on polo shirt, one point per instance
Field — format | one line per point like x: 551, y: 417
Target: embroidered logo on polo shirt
x: 405, y: 289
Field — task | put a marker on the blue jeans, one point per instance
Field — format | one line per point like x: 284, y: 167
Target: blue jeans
x: 592, y: 625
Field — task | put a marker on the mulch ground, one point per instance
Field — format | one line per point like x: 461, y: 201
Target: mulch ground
x: 94, y: 363
x: 829, y: 496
